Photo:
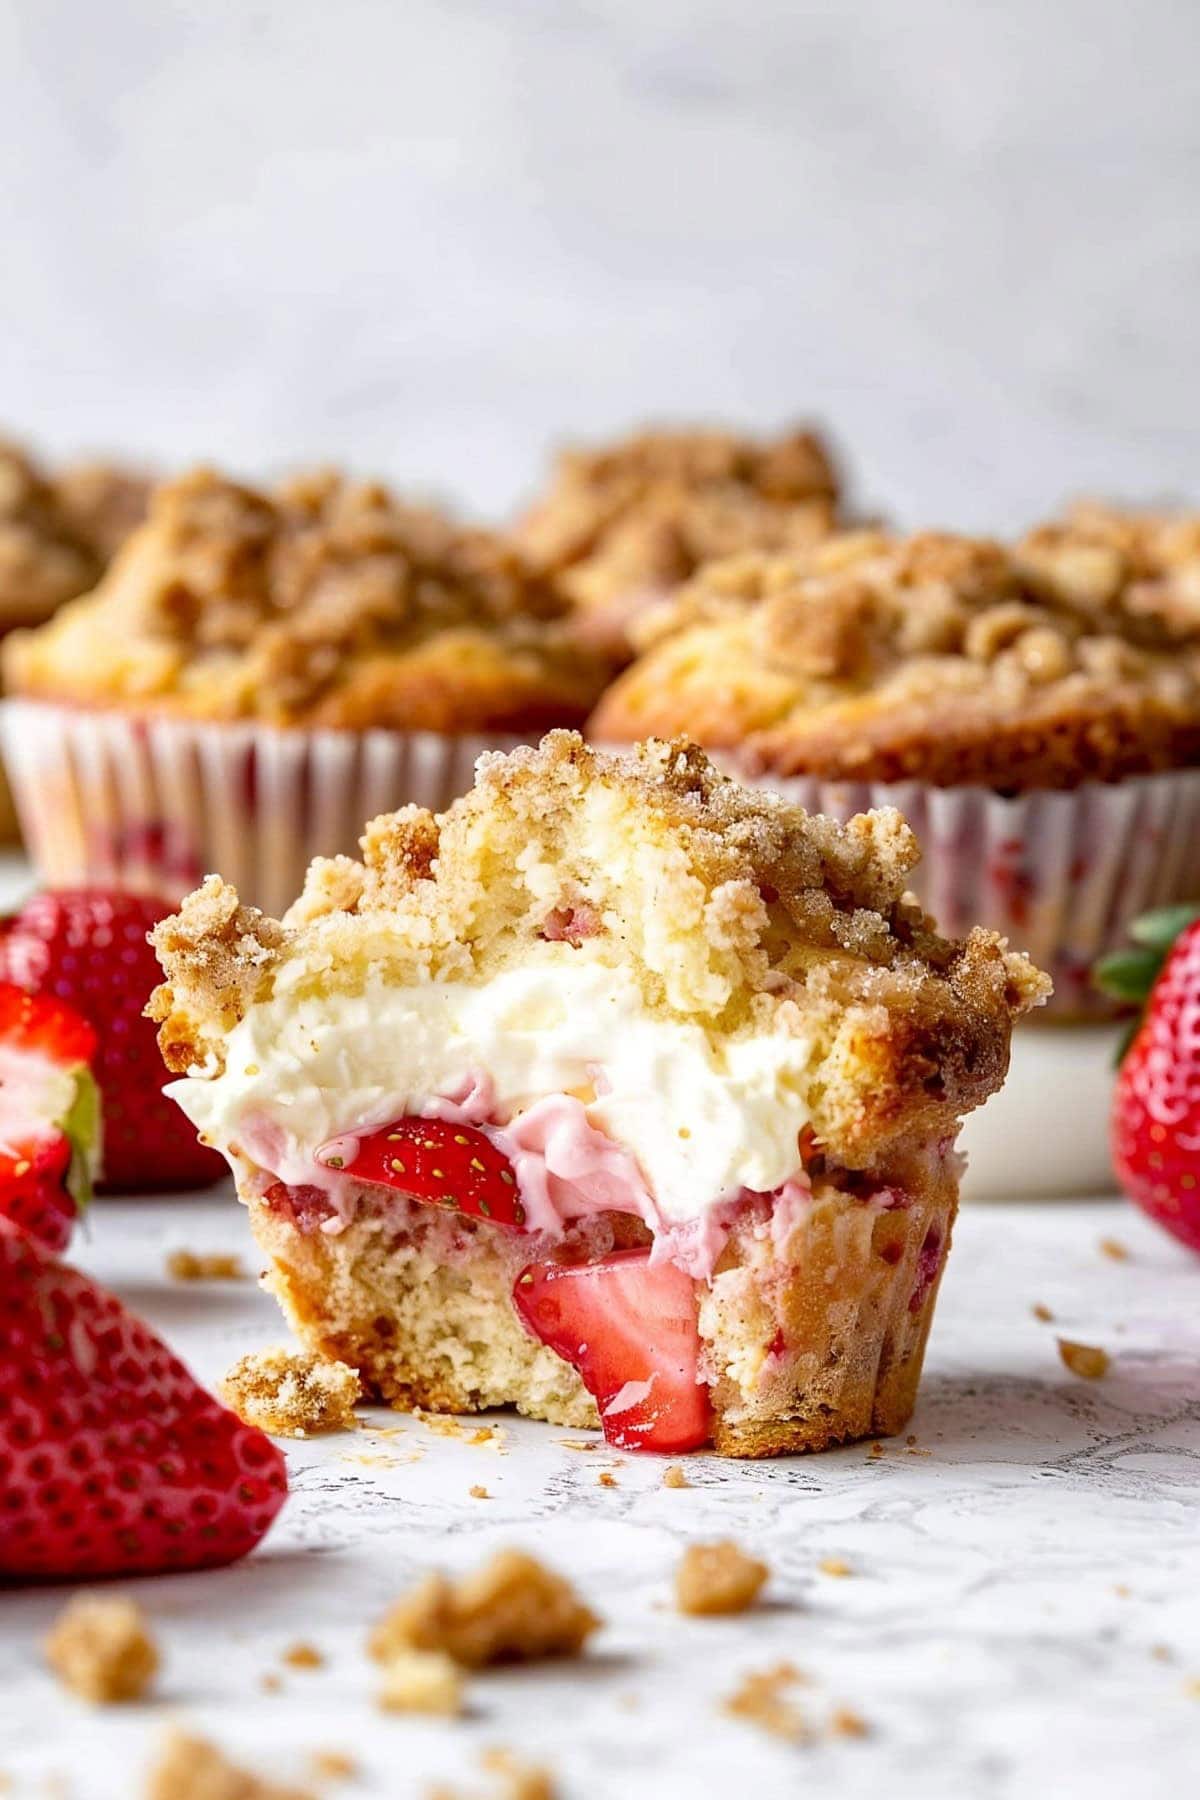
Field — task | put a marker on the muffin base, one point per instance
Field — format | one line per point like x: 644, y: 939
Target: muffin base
x: 812, y: 1335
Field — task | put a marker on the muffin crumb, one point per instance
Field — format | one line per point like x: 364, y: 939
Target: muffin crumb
x: 101, y: 1649
x: 205, y: 1265
x: 1085, y: 1360
x: 422, y: 1681
x: 606, y: 1480
x: 303, y: 1656
x: 763, y: 1698
x: 718, y: 1578
x: 845, y: 1722
x: 292, y: 1393
x: 1042, y: 1312
x: 835, y: 1565
x: 674, y: 1477
x: 478, y: 1492
x: 513, y: 1609
x: 1114, y: 1249
x: 518, y: 1779
x: 333, y: 1765
x: 191, y: 1768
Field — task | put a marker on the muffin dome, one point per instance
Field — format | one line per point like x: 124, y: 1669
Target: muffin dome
x: 944, y: 659
x: 321, y: 603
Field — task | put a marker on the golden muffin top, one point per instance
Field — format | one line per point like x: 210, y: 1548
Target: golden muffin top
x: 323, y: 602
x: 728, y: 906
x: 935, y: 657
x: 629, y: 520
x: 44, y: 557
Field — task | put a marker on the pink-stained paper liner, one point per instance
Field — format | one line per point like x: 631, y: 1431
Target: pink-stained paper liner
x: 121, y: 800
x: 1061, y: 873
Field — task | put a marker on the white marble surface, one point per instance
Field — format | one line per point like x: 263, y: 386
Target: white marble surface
x: 429, y: 237
x: 1022, y: 1619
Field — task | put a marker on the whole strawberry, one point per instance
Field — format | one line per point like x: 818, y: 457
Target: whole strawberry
x: 89, y: 948
x: 1156, y: 1107
x: 112, y: 1460
x: 49, y: 1114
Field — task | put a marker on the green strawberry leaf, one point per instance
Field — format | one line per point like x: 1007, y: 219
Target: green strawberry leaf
x: 1159, y: 929
x: 1128, y: 974
x: 81, y: 1125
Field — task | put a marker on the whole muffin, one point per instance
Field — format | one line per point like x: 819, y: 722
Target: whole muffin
x: 259, y: 670
x: 1039, y: 730
x: 623, y: 524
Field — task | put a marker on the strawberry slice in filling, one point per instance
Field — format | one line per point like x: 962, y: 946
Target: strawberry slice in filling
x: 629, y: 1328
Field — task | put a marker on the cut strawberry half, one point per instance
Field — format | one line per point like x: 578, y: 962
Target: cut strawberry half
x: 49, y: 1114
x: 435, y: 1162
x: 630, y: 1329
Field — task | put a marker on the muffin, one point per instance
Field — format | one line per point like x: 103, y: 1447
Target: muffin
x: 619, y: 1093
x: 103, y: 502
x: 1039, y: 729
x: 258, y: 671
x: 623, y: 524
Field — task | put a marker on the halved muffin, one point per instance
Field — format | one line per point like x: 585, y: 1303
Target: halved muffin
x: 617, y: 1092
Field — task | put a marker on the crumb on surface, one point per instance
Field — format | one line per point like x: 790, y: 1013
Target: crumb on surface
x: 101, y: 1649
x: 1087, y: 1361
x: 1114, y: 1249
x: 270, y: 1682
x: 845, y: 1722
x: 292, y: 1393
x: 1162, y: 1653
x: 674, y: 1477
x: 606, y: 1480
x: 518, y: 1779
x: 718, y: 1578
x: 191, y: 1768
x: 303, y: 1656
x: 763, y: 1697
x: 422, y: 1681
x: 205, y: 1265
x: 478, y: 1492
x: 1042, y: 1312
x: 835, y: 1565
x: 513, y: 1609
x: 333, y: 1765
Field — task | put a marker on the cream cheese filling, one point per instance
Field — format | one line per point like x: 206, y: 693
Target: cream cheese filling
x: 703, y: 1116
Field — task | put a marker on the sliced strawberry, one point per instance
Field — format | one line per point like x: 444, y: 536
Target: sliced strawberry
x: 112, y: 1460
x: 433, y: 1161
x: 630, y: 1329
x: 49, y: 1114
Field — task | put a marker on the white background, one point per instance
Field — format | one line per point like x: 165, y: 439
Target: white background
x: 429, y: 236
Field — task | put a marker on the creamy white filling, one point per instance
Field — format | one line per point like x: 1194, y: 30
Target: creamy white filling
x: 703, y: 1118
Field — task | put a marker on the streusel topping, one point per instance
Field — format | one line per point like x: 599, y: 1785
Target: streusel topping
x: 727, y: 907
x: 44, y: 559
x: 643, y: 513
x: 1137, y: 570
x: 942, y: 658
x: 324, y: 602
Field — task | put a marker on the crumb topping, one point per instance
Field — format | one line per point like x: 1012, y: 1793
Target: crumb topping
x: 729, y: 906
x: 718, y: 1578
x: 191, y: 1768
x: 674, y: 1477
x: 104, y: 502
x: 643, y: 513
x: 44, y: 559
x: 101, y: 1649
x: 940, y: 658
x: 513, y: 1609
x: 323, y: 602
x: 292, y: 1393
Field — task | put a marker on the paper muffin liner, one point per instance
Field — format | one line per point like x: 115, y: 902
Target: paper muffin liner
x: 1061, y: 873
x: 154, y: 804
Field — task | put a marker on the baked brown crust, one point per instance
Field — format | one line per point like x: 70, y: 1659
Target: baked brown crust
x: 104, y: 502
x: 630, y: 520
x: 322, y: 603
x: 938, y: 658
x: 44, y: 558
x: 759, y: 917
